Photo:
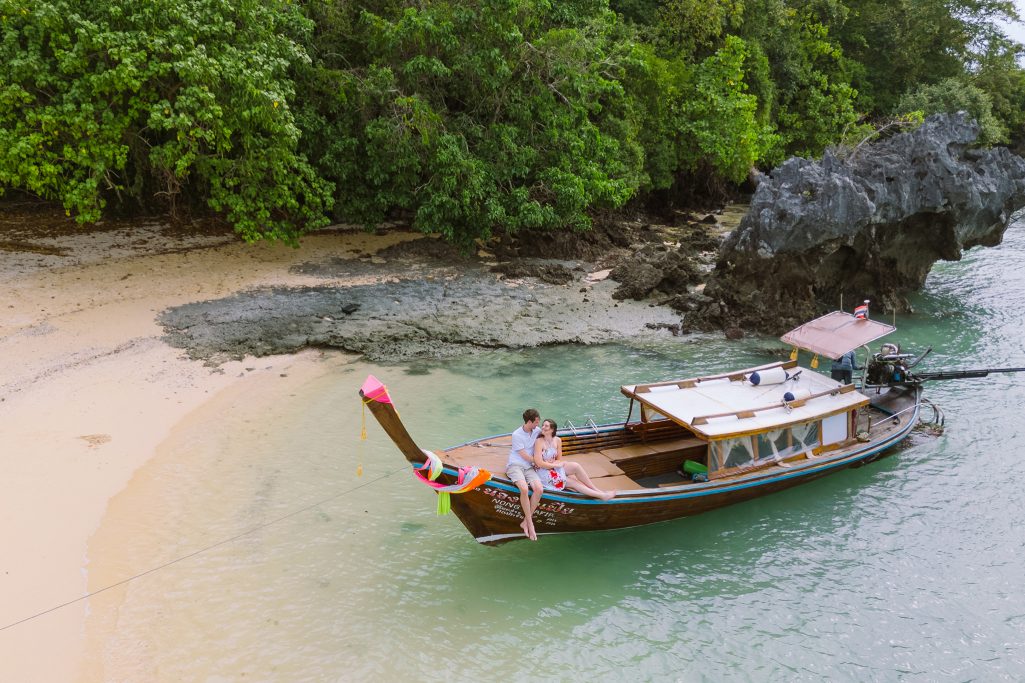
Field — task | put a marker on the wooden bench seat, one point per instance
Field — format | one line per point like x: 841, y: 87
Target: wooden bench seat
x: 659, y: 457
x: 617, y: 457
x: 635, y: 450
x: 617, y: 483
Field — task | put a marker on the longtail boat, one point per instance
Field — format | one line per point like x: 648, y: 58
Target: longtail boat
x: 697, y: 444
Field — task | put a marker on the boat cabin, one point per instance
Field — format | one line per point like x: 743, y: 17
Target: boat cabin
x: 756, y: 416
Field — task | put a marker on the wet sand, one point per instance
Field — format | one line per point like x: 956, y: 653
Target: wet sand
x: 88, y: 390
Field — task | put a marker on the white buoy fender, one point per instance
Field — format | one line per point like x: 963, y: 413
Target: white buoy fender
x: 796, y: 394
x: 767, y: 377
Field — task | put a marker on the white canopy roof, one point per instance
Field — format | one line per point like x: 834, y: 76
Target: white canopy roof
x: 724, y: 405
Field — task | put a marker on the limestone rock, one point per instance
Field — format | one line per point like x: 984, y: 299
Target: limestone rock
x: 869, y: 226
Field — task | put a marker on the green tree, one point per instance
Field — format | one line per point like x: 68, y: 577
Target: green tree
x: 812, y: 100
x: 1002, y: 78
x: 471, y: 116
x: 693, y: 29
x: 697, y: 117
x: 952, y: 95
x: 158, y: 102
x: 903, y: 44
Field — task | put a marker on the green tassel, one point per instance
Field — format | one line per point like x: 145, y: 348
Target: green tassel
x: 444, y: 503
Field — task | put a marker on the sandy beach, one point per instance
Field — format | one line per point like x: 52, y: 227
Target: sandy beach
x: 91, y: 384
x: 88, y: 390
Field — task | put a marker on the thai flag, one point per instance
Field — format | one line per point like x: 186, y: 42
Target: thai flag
x: 861, y: 312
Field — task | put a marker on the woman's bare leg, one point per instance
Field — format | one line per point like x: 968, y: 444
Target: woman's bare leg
x: 581, y: 487
x: 575, y: 469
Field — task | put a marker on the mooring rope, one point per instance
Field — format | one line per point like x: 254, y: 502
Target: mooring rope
x: 206, y: 549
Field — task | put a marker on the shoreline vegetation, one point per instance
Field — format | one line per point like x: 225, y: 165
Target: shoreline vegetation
x: 469, y: 119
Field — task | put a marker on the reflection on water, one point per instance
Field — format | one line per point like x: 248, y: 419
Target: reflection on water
x: 907, y: 569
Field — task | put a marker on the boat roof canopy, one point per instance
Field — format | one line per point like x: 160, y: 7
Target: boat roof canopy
x: 721, y: 406
x: 836, y: 333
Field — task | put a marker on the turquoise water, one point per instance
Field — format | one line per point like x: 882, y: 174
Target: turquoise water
x: 909, y: 569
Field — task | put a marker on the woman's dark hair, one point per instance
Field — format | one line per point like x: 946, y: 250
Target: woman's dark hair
x: 553, y: 423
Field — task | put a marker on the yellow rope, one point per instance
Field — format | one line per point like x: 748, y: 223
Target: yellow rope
x: 363, y: 431
x: 363, y: 426
x: 362, y: 438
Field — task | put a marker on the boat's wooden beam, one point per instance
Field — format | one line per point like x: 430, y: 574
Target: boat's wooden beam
x: 389, y: 420
x: 751, y: 412
x: 694, y: 381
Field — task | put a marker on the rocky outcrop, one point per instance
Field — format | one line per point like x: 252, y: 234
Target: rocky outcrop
x: 434, y: 311
x: 868, y: 226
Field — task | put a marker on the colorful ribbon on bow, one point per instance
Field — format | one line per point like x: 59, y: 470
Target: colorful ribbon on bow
x: 468, y: 479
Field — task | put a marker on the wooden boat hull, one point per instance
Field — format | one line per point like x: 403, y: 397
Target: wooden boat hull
x: 492, y: 512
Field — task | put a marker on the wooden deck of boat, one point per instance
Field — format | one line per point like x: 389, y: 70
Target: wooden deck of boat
x: 650, y: 456
x: 615, y: 460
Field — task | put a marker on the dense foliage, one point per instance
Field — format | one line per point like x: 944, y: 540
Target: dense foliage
x: 158, y: 100
x: 466, y: 116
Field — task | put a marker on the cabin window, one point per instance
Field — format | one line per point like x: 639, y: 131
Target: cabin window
x: 834, y: 428
x: 806, y: 436
x: 777, y: 443
x: 748, y: 450
x: 730, y: 453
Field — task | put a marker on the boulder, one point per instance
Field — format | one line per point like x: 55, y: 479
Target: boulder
x: 868, y: 225
x: 637, y: 280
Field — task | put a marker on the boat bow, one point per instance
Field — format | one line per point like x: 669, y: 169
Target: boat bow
x: 375, y: 396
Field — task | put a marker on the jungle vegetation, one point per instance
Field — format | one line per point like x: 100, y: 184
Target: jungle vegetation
x: 467, y: 117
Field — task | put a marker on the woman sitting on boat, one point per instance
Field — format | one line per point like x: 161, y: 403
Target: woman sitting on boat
x: 558, y: 474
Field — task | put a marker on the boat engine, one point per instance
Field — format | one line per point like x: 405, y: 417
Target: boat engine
x: 889, y: 366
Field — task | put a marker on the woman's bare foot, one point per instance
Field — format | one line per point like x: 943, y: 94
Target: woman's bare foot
x: 608, y: 495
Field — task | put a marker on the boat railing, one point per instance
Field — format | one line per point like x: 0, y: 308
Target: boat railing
x: 892, y: 416
x: 590, y: 423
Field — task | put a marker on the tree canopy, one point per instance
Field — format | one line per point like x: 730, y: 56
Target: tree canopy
x: 465, y: 117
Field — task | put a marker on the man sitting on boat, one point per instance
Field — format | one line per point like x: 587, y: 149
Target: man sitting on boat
x: 520, y: 468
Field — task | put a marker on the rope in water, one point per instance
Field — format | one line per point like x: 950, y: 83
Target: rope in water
x: 203, y: 550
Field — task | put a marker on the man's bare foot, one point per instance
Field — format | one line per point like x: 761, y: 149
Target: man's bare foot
x: 528, y: 529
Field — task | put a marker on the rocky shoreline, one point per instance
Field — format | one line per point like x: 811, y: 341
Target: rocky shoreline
x: 894, y: 208
x: 424, y: 299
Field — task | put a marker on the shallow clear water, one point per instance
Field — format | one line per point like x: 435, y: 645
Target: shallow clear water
x: 908, y: 569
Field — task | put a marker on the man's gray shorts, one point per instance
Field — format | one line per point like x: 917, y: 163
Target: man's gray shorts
x: 520, y: 473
